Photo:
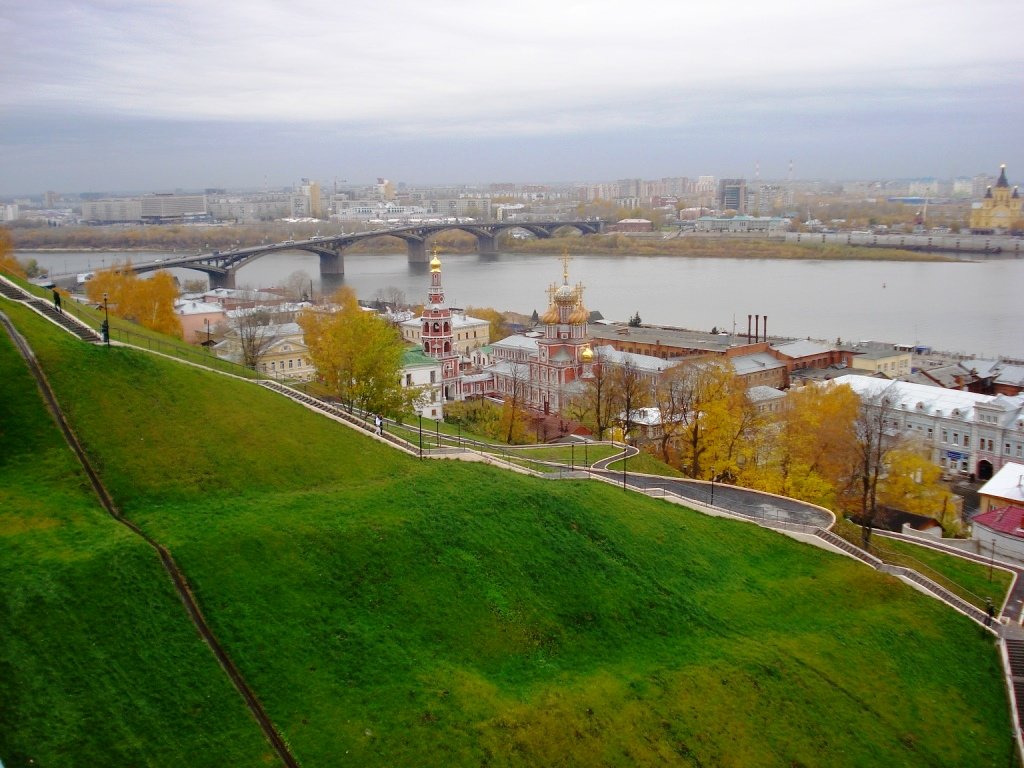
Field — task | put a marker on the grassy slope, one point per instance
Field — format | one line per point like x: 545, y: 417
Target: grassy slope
x: 390, y: 611
x: 98, y: 661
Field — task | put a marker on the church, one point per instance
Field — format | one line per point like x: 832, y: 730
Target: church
x: 1000, y: 210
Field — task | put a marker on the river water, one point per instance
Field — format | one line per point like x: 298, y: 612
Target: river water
x: 971, y: 307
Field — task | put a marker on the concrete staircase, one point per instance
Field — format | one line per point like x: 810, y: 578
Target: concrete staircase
x: 46, y: 309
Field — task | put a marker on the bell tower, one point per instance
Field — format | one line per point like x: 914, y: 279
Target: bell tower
x: 436, y: 333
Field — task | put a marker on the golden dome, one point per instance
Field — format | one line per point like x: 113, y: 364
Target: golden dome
x: 587, y: 354
x: 435, y: 264
x: 579, y: 315
x: 551, y: 316
x: 565, y: 295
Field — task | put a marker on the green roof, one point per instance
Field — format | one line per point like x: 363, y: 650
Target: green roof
x: 414, y: 356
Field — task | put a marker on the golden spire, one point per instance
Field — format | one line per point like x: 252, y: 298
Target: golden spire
x: 435, y: 263
x: 566, y: 258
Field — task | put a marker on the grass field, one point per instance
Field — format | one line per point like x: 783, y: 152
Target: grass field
x: 389, y: 611
x: 98, y: 661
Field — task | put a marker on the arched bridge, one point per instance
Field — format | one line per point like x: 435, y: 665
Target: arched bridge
x: 221, y: 266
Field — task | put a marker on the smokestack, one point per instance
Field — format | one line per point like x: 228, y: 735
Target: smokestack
x: 766, y: 327
x: 757, y: 328
x: 749, y: 320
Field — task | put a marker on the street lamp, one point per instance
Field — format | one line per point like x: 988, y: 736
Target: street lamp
x: 437, y: 432
x: 105, y: 328
x: 712, y: 489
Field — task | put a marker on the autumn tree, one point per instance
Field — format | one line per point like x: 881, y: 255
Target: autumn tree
x: 807, y: 449
x: 912, y: 484
x: 714, y: 415
x: 8, y: 263
x: 148, y: 302
x: 358, y: 356
x: 498, y: 325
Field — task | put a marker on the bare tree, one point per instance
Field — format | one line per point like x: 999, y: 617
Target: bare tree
x: 255, y: 335
x: 631, y: 389
x: 299, y: 286
x: 518, y: 380
x: 593, y: 406
x: 877, y: 436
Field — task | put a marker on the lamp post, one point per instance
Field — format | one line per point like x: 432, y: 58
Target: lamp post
x: 207, y: 333
x: 437, y: 432
x: 106, y: 321
x: 572, y: 457
x: 712, y: 489
x: 624, y: 473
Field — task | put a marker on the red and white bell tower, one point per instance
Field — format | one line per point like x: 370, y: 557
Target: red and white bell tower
x: 436, y: 334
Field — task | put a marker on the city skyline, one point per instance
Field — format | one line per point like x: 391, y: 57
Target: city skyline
x: 101, y: 96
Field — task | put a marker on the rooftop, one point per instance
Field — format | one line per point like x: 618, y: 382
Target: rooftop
x: 1007, y: 483
x: 1002, y: 520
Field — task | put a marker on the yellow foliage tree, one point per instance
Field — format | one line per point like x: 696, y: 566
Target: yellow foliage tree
x: 8, y: 263
x: 911, y: 483
x: 807, y: 450
x: 498, y: 327
x: 148, y: 302
x: 358, y: 356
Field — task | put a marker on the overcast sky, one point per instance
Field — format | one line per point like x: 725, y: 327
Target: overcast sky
x: 155, y: 95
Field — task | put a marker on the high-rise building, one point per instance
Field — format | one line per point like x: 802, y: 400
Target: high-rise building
x: 732, y: 195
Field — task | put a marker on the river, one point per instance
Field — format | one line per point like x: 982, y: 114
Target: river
x: 970, y: 307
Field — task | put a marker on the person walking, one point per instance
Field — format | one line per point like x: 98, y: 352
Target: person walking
x: 379, y: 423
x: 56, y: 301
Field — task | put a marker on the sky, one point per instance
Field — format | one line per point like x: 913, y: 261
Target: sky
x: 154, y: 95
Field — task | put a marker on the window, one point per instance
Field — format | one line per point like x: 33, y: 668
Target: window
x: 990, y: 446
x: 945, y: 436
x: 1006, y: 449
x: 1019, y: 448
x: 433, y: 376
x: 956, y: 438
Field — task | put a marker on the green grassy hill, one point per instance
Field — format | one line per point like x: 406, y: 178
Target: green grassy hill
x: 389, y: 611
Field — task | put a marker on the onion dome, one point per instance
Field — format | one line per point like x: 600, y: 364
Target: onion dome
x: 435, y: 264
x: 579, y: 315
x: 565, y: 295
x: 587, y: 355
x: 1002, y: 182
x: 551, y: 316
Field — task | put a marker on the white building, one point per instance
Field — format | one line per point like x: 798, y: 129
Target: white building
x: 965, y: 432
x: 421, y: 370
x: 468, y: 333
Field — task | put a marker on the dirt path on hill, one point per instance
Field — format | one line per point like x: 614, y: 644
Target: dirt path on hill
x: 181, y: 584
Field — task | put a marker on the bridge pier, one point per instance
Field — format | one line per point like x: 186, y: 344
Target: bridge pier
x: 417, y: 251
x: 333, y: 264
x: 487, y: 243
x: 225, y: 280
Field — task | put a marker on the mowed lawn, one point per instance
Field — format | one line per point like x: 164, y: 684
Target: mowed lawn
x: 99, y: 664
x: 390, y: 611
